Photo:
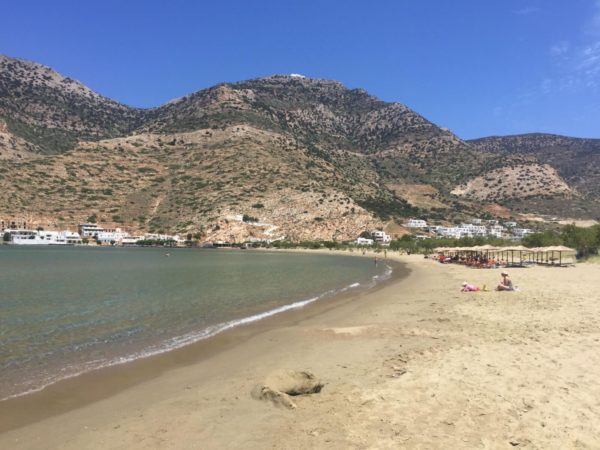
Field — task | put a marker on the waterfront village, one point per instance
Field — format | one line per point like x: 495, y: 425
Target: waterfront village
x: 16, y: 232
x: 509, y: 230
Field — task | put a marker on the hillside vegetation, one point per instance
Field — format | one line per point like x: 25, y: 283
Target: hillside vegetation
x: 305, y: 158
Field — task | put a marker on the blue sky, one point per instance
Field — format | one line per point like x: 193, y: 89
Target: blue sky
x: 477, y: 67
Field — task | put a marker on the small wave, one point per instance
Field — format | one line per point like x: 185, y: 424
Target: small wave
x: 188, y: 339
x: 350, y: 286
x: 171, y: 344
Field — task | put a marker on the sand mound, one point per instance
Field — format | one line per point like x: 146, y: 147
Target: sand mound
x: 281, y: 385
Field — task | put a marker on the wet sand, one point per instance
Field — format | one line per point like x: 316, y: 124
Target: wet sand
x: 414, y: 364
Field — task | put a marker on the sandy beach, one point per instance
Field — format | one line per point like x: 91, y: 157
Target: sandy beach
x: 412, y: 364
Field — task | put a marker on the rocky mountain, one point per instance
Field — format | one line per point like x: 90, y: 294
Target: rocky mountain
x: 281, y: 156
x: 576, y: 161
x: 48, y: 113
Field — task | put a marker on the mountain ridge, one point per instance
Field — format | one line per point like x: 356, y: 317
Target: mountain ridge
x: 310, y: 157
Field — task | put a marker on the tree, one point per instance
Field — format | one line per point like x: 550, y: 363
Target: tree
x: 542, y: 239
x: 582, y: 239
x: 6, y: 237
x: 428, y: 245
x: 406, y: 243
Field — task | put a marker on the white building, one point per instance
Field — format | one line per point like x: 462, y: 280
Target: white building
x: 363, y: 241
x: 131, y: 240
x: 415, y: 223
x: 41, y: 237
x: 89, y: 229
x: 93, y: 229
x: 496, y: 231
x: 452, y: 232
x: 63, y: 237
x: 161, y: 237
x: 473, y: 230
x: 433, y: 228
x: 101, y: 234
x: 381, y: 236
x: 111, y: 237
x: 510, y: 224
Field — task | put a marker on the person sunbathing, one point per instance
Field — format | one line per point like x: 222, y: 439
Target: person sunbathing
x: 505, y: 283
x: 466, y: 287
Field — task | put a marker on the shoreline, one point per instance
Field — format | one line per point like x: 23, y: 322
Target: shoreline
x: 414, y: 364
x: 99, y: 383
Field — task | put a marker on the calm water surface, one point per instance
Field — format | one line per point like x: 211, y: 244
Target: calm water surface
x: 64, y: 311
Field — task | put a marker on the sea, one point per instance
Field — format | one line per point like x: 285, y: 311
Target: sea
x: 65, y: 311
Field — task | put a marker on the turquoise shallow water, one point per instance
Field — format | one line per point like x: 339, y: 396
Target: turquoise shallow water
x: 64, y: 311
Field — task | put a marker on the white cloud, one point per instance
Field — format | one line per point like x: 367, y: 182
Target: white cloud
x: 560, y: 48
x: 577, y: 67
x: 589, y: 63
x: 577, y: 70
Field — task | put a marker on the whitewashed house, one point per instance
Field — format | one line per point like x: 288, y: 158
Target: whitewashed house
x: 42, y: 237
x: 496, y: 231
x: 89, y: 229
x: 520, y: 233
x: 473, y: 230
x: 415, y: 223
x: 131, y: 240
x: 433, y: 228
x: 451, y: 232
x: 381, y: 236
x: 363, y: 241
x: 111, y: 236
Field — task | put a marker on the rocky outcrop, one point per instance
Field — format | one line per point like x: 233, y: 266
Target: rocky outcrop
x: 518, y: 182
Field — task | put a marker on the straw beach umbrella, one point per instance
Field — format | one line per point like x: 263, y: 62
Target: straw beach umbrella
x: 520, y: 249
x: 560, y: 249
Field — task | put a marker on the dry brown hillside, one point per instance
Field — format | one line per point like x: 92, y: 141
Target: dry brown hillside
x: 189, y: 182
x: 517, y: 182
x: 301, y: 158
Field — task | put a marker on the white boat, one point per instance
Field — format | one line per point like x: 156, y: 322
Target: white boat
x: 40, y: 237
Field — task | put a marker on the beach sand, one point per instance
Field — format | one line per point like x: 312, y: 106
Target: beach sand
x: 413, y: 364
